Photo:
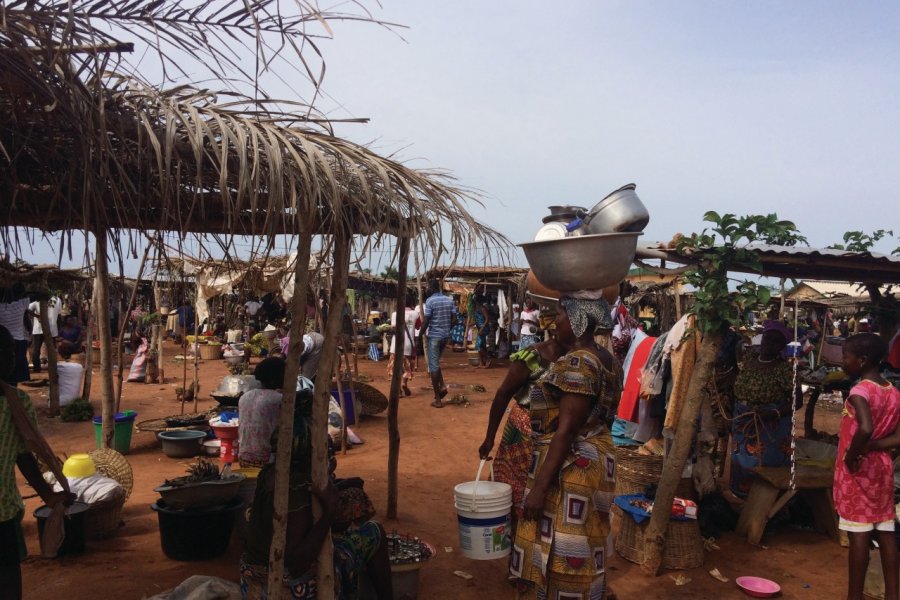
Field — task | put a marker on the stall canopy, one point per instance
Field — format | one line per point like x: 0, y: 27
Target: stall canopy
x: 801, y: 263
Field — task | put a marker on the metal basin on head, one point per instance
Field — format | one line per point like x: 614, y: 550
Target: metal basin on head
x: 585, y: 262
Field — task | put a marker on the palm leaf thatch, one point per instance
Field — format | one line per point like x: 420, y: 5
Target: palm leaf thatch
x: 90, y: 149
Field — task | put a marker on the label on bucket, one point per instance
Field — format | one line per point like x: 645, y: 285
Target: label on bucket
x: 484, y: 538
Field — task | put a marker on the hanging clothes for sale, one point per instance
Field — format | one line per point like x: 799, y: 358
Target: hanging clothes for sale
x: 641, y: 345
x: 683, y: 356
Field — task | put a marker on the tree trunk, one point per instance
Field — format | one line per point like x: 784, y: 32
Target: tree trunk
x: 400, y: 340
x: 89, y: 349
x: 886, y: 309
x: 52, y: 371
x: 655, y: 536
x: 286, y: 417
x: 101, y: 309
x: 120, y: 349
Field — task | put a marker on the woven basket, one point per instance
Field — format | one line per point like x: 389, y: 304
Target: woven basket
x: 370, y: 399
x: 102, y: 519
x: 684, y: 546
x: 112, y: 464
x: 634, y: 472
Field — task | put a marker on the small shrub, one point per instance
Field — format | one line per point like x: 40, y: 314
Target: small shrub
x: 78, y: 410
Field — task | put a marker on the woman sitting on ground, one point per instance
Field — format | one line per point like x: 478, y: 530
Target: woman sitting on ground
x: 359, y: 543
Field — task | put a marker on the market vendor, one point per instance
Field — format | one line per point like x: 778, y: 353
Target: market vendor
x: 313, y: 344
x: 359, y: 543
x: 764, y: 394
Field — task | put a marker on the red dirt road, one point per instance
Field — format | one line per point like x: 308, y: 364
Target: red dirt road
x: 438, y: 450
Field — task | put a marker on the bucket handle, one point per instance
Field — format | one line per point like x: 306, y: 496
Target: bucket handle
x: 478, y: 480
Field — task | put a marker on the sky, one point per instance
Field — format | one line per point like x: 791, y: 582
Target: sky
x: 742, y: 107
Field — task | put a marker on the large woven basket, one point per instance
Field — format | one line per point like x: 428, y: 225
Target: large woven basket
x: 634, y: 472
x: 102, y: 519
x: 684, y: 546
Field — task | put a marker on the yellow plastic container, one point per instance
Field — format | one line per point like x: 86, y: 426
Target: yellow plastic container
x: 79, y: 465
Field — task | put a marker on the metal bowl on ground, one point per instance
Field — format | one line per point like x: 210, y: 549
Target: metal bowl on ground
x: 201, y: 494
x: 181, y: 443
x: 586, y: 262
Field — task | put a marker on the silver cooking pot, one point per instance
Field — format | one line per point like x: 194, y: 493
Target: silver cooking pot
x: 621, y: 211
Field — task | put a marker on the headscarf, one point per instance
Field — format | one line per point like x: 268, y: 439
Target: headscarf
x: 587, y: 313
x: 773, y: 325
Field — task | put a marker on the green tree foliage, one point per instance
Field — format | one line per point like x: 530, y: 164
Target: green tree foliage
x: 724, y: 246
x: 859, y: 241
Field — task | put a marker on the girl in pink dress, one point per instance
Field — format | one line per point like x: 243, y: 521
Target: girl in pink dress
x: 864, y: 472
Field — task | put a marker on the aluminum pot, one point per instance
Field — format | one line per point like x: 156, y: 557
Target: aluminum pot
x: 586, y: 262
x: 621, y: 211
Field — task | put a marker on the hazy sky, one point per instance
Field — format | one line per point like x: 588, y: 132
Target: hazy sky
x: 744, y: 107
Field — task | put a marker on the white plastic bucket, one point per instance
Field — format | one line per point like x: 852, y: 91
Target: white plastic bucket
x: 483, y: 515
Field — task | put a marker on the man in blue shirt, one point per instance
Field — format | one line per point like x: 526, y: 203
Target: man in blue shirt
x: 440, y: 311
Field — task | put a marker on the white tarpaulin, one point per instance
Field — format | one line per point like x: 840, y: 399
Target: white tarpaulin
x: 216, y: 278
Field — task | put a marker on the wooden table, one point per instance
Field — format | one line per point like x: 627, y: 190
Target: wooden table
x: 769, y: 493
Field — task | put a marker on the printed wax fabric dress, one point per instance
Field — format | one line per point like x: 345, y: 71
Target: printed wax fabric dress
x: 513, y: 457
x: 759, y: 442
x: 564, y: 553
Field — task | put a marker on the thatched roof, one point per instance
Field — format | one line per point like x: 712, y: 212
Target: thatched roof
x: 87, y: 149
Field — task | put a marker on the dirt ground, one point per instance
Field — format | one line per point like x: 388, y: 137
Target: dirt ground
x: 438, y: 450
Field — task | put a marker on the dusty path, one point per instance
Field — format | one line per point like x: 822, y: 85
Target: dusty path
x: 438, y: 450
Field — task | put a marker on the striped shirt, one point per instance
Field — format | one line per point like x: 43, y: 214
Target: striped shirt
x: 439, y: 310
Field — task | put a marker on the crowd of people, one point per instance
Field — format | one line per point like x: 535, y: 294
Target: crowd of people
x: 584, y: 377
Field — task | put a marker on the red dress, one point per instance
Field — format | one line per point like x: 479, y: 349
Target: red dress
x: 867, y: 496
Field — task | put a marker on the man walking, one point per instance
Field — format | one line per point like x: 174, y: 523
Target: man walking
x: 38, y: 336
x: 439, y: 314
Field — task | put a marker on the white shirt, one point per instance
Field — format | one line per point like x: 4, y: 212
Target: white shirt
x: 53, y: 308
x: 252, y: 307
x: 11, y: 317
x: 529, y: 321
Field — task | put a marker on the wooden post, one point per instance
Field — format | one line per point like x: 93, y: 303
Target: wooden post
x: 121, y: 340
x: 89, y: 347
x: 340, y: 390
x: 396, y: 377
x: 52, y: 371
x: 286, y: 417
x: 319, y: 426
x: 422, y: 302
x: 101, y: 309
x: 655, y: 535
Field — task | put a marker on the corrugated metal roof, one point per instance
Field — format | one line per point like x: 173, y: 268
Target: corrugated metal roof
x: 804, y: 263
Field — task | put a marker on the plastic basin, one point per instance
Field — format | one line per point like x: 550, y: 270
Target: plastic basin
x: 181, y: 443
x: 196, y: 534
x: 74, y: 526
x: 758, y: 587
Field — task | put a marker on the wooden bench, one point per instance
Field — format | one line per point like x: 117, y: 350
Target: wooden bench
x: 769, y: 493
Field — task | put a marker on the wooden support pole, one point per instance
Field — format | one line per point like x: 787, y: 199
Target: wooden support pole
x: 104, y: 335
x: 338, y: 381
x: 89, y: 347
x: 50, y: 344
x: 320, y: 474
x: 286, y: 416
x: 655, y: 535
x: 120, y: 350
x: 396, y: 378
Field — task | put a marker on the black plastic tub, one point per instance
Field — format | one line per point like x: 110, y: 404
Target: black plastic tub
x: 74, y: 527
x: 198, y: 533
